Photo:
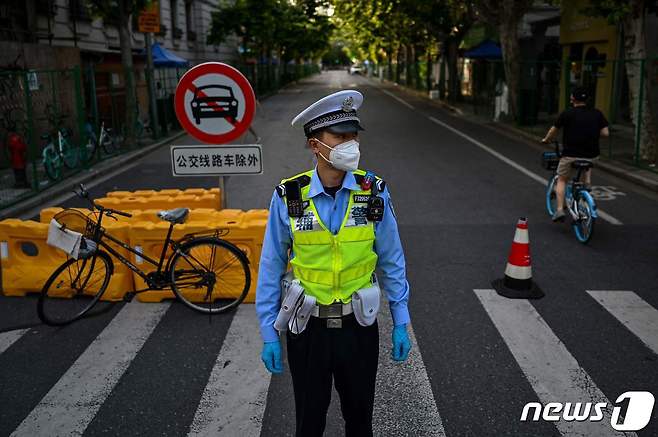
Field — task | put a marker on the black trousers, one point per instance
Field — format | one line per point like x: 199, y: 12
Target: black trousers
x: 347, y: 357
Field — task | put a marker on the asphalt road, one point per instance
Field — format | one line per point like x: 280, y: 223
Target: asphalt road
x: 478, y: 359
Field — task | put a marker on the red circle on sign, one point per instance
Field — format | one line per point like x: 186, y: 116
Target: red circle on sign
x: 186, y: 84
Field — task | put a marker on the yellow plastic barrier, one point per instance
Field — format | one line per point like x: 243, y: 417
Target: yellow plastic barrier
x: 209, y: 200
x: 149, y: 237
x: 164, y: 192
x: 28, y: 261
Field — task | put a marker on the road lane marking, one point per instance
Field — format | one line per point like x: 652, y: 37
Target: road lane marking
x: 633, y: 312
x: 8, y: 338
x: 234, y: 400
x: 551, y: 370
x: 409, y: 403
x: 397, y: 98
x: 72, y: 403
x: 604, y: 215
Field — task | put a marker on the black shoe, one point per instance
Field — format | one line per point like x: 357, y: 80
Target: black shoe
x: 559, y: 215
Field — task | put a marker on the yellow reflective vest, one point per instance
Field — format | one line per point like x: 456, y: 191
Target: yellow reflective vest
x: 332, y: 267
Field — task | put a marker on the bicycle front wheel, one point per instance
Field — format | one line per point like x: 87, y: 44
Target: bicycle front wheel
x: 52, y: 164
x: 210, y: 275
x: 69, y: 155
x: 73, y: 289
x: 583, y: 227
x: 551, y: 196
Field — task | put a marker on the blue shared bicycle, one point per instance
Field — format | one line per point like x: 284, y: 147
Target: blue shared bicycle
x: 579, y: 203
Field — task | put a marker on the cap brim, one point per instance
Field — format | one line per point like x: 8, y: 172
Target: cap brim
x: 345, y: 127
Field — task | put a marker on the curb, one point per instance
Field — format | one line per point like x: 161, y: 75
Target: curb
x: 85, y: 175
x: 615, y: 168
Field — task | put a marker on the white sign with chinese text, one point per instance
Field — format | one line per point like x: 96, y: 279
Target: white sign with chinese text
x: 242, y: 159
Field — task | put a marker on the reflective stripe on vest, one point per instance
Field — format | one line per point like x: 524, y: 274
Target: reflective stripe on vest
x: 332, y: 267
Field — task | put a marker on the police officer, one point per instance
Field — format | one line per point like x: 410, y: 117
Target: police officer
x: 335, y: 225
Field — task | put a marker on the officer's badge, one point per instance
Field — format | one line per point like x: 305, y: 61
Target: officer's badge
x: 348, y: 103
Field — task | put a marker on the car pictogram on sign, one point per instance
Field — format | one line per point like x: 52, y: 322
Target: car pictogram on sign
x: 214, y: 101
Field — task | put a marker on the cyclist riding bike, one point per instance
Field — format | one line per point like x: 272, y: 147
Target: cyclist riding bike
x: 583, y: 127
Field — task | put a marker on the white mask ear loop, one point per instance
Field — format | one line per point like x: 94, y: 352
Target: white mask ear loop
x: 322, y: 154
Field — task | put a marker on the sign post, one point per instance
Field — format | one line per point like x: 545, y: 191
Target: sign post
x: 215, y: 104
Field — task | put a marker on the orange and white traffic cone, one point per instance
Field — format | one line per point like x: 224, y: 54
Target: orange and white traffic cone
x: 517, y: 282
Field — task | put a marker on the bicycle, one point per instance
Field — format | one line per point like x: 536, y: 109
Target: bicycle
x: 203, y: 270
x: 105, y: 138
x: 63, y: 152
x: 578, y: 201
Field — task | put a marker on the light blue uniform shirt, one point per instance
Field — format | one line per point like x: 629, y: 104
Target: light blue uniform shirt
x: 278, y: 242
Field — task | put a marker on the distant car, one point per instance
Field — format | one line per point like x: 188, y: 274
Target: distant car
x: 214, y: 101
x: 356, y: 69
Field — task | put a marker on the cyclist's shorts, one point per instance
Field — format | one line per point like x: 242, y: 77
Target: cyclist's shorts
x: 564, y: 167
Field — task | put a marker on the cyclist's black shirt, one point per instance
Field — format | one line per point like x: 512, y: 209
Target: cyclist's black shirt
x: 582, y: 127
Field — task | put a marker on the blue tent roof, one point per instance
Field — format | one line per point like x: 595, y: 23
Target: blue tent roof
x: 164, y: 58
x: 487, y: 49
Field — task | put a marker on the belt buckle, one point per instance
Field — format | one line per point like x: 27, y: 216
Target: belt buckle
x: 333, y: 310
x: 334, y: 323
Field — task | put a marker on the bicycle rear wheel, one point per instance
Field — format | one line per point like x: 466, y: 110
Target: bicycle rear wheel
x: 584, y: 226
x: 73, y: 289
x: 551, y: 197
x: 110, y: 145
x: 210, y: 275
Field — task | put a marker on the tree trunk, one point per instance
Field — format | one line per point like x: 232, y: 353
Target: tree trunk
x: 509, y: 42
x: 453, y: 75
x: 389, y: 62
x: 635, y: 50
x: 428, y: 70
x: 128, y: 72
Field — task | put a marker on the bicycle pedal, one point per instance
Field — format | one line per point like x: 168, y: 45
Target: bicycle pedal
x: 128, y: 297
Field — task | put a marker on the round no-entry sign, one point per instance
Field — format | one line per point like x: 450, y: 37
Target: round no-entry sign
x: 214, y: 102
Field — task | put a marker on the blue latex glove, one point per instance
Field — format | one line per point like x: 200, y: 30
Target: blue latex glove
x: 401, y: 343
x: 271, y: 356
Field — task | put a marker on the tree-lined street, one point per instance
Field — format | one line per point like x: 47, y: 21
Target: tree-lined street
x: 458, y: 188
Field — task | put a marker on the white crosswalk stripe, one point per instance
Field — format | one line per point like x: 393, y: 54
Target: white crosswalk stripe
x: 234, y: 400
x: 410, y: 409
x: 552, y: 371
x: 631, y: 310
x: 8, y: 338
x: 69, y: 407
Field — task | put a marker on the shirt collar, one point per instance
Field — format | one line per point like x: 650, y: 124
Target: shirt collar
x: 316, y: 188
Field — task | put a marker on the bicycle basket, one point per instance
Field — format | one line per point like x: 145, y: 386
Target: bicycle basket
x: 550, y: 160
x: 77, y: 221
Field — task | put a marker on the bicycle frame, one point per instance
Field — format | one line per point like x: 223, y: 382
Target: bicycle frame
x: 100, y: 234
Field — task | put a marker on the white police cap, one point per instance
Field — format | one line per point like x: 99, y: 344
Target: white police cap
x: 335, y: 113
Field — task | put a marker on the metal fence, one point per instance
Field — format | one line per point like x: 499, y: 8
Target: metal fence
x: 47, y: 118
x: 626, y: 91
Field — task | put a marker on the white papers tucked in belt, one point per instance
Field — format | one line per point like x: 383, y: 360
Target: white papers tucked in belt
x: 64, y: 239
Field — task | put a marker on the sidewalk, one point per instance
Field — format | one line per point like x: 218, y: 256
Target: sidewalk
x: 645, y: 178
x: 67, y: 185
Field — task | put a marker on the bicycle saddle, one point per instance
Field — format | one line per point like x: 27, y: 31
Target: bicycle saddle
x: 582, y: 164
x: 177, y: 215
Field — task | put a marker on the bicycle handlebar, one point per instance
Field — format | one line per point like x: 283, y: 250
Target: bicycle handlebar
x: 84, y: 194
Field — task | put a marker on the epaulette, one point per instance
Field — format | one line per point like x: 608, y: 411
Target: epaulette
x: 303, y: 180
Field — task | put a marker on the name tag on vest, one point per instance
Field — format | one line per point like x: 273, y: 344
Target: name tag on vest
x: 358, y: 198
